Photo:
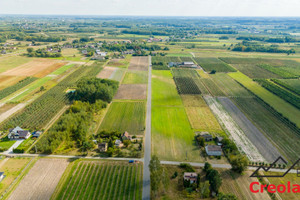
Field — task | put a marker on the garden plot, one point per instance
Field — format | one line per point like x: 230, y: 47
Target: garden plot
x: 140, y: 63
x: 41, y: 180
x: 132, y: 91
x: 106, y: 72
x: 236, y: 133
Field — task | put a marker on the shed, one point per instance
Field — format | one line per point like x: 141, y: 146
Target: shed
x: 213, y: 150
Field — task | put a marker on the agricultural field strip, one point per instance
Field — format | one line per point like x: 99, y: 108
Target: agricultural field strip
x: 234, y: 131
x: 276, y: 102
x: 41, y: 180
x: 111, y: 181
x: 258, y: 139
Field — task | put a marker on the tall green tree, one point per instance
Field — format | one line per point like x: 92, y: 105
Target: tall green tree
x: 214, y: 179
x: 155, y: 173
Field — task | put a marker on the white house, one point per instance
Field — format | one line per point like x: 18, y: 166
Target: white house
x: 18, y: 133
x: 1, y: 176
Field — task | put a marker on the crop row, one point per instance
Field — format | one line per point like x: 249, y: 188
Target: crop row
x: 186, y: 86
x: 188, y: 73
x: 282, y: 93
x: 9, y: 90
x: 279, y: 71
x: 209, y: 64
x: 286, y: 86
x: 90, y: 180
x: 37, y: 114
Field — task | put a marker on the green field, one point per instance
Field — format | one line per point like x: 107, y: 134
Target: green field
x: 6, y: 143
x: 276, y: 102
x: 27, y: 90
x: 164, y: 89
x: 209, y: 64
x: 62, y: 69
x: 10, y: 62
x: 212, y: 87
x: 125, y: 116
x: 295, y: 83
x: 101, y: 180
x: 229, y: 86
x: 254, y: 71
x: 135, y: 77
x: 172, y: 135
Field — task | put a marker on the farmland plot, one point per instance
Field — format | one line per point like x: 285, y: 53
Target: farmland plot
x: 140, y: 63
x: 229, y: 86
x: 102, y: 180
x: 257, y: 138
x: 200, y: 116
x: 37, y: 67
x: 212, y: 87
x: 125, y: 116
x: 12, y: 167
x: 41, y: 180
x: 234, y: 131
x: 131, y: 91
x: 254, y: 71
x: 276, y: 102
x: 285, y: 137
x: 10, y: 62
x: 209, y: 64
x: 106, y: 72
x: 135, y: 77
x: 6, y: 81
x: 164, y: 89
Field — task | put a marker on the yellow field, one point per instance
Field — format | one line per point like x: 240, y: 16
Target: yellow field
x: 200, y: 116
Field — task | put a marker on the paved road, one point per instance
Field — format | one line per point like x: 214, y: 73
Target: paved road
x: 147, y: 154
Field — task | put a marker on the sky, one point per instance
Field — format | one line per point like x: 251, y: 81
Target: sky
x: 153, y: 7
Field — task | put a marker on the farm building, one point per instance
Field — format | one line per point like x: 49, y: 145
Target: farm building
x: 2, y: 176
x: 213, y: 150
x: 3, y: 52
x: 128, y: 52
x: 36, y: 134
x: 98, y: 52
x: 18, y: 133
x: 207, y: 137
x: 98, y: 57
x: 190, y: 176
x: 84, y: 52
x: 126, y: 136
x: 182, y: 64
x: 102, y: 147
x: 219, y: 140
x: 119, y: 143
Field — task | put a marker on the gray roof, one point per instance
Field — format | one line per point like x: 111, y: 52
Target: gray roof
x: 213, y: 148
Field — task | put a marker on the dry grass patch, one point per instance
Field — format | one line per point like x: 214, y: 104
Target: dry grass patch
x: 106, y: 72
x: 38, y: 67
x: 132, y: 91
x: 139, y: 63
x: 6, y: 81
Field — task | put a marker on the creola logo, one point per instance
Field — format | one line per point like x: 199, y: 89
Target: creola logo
x: 256, y: 187
x: 295, y: 188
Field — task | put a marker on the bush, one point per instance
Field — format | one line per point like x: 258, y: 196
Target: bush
x: 187, y: 167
